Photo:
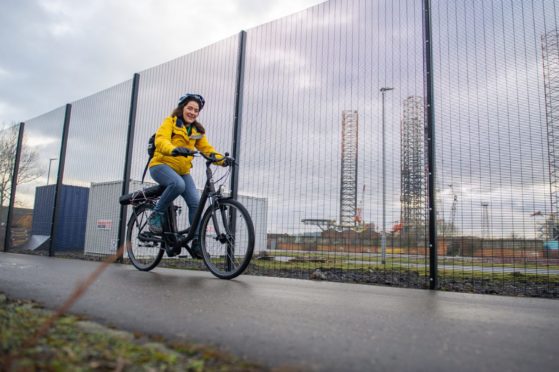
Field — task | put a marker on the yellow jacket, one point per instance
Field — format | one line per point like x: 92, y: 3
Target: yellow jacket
x: 169, y: 136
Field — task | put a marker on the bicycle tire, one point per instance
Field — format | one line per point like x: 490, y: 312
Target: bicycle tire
x: 223, y: 259
x: 143, y: 255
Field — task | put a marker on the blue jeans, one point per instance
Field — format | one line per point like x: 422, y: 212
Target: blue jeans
x: 175, y: 185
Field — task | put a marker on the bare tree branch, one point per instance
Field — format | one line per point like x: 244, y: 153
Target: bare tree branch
x: 28, y: 167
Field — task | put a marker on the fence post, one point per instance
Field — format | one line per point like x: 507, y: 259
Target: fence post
x: 59, y: 178
x: 128, y: 160
x: 8, y: 234
x: 430, y: 134
x: 239, y: 87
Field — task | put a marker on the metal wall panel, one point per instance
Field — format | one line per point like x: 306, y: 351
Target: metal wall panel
x: 71, y: 219
x: 103, y: 215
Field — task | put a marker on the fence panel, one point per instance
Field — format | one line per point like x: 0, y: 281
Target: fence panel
x: 34, y: 198
x: 324, y: 90
x: 211, y: 72
x: 93, y: 170
x: 494, y: 154
x: 8, y: 147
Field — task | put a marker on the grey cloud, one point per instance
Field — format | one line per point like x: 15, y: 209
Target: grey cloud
x: 61, y: 51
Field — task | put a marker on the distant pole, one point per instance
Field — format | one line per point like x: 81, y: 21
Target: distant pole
x: 485, y: 230
x: 383, y: 236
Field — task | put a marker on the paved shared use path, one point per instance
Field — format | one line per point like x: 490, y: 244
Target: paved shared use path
x: 306, y: 325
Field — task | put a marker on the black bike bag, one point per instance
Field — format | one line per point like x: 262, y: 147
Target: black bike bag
x: 142, y: 195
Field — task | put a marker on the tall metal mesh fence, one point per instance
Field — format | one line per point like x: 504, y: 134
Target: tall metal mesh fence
x: 211, y: 72
x: 316, y: 86
x: 333, y: 144
x: 493, y: 155
x: 93, y: 171
x: 37, y: 174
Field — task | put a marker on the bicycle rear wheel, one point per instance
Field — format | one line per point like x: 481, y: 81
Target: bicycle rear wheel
x: 227, y: 238
x: 144, y: 255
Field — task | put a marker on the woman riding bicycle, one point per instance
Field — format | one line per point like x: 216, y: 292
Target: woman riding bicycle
x: 178, y: 136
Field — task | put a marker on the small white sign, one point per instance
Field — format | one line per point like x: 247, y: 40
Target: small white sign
x: 104, y: 224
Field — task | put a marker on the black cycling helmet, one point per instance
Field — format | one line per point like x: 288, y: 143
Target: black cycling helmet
x: 192, y: 97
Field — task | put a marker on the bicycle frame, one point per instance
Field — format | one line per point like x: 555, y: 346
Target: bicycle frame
x: 171, y: 234
x: 209, y: 193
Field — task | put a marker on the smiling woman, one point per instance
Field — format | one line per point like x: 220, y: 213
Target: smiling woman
x: 175, y: 142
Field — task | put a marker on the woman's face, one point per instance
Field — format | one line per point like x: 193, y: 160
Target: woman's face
x: 190, y: 112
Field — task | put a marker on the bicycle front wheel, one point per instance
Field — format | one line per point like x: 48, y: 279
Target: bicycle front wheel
x: 227, y: 238
x: 144, y: 254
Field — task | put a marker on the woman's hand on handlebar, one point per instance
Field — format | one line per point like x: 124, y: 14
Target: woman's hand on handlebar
x: 182, y: 151
x: 223, y: 160
x: 228, y: 161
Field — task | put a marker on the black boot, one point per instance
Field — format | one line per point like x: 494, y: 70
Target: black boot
x: 196, y: 249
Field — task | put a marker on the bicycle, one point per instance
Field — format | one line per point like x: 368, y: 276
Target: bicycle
x: 226, y: 230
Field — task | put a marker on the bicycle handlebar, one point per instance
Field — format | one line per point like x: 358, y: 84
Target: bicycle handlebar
x: 212, y: 157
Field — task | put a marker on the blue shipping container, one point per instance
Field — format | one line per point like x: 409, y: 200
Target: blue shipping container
x: 71, y: 219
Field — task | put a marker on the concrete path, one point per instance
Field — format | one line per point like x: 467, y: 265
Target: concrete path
x: 305, y: 324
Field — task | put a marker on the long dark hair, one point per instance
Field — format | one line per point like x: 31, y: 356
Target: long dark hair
x: 178, y: 113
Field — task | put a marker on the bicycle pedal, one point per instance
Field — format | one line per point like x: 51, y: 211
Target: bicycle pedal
x: 173, y: 251
x: 146, y: 237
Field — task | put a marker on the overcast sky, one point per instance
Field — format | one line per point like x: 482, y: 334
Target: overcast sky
x: 57, y: 51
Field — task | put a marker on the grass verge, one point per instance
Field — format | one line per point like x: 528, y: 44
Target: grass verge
x: 74, y: 343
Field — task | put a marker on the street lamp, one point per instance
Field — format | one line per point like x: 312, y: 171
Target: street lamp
x: 383, y: 236
x: 48, y: 173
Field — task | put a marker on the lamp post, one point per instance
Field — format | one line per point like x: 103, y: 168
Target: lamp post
x: 48, y: 173
x: 383, y: 236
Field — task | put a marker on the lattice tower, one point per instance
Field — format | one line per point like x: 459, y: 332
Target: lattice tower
x: 413, y: 163
x: 485, y: 225
x: 550, y: 50
x: 453, y: 211
x: 348, y: 189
